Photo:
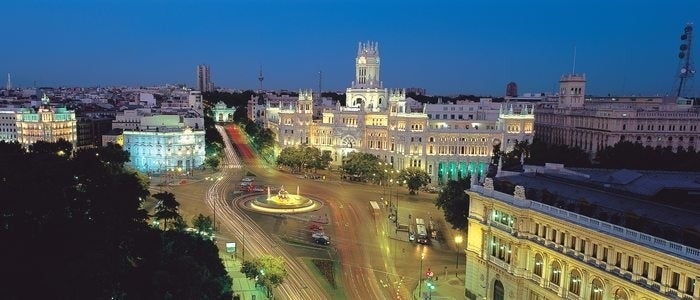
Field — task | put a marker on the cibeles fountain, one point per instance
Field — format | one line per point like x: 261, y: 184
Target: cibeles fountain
x: 283, y: 202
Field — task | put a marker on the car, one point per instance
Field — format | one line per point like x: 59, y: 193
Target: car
x: 247, y: 179
x: 411, y: 236
x: 322, y: 241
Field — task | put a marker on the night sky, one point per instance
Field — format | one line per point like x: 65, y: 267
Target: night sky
x: 472, y: 47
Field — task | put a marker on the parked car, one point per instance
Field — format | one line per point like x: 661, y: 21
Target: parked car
x: 411, y: 236
x: 322, y: 241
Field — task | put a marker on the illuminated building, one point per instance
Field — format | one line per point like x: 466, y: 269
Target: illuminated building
x: 222, y: 113
x: 595, y: 124
x: 524, y: 249
x: 47, y: 124
x: 163, y: 143
x: 448, y: 141
x: 8, y: 124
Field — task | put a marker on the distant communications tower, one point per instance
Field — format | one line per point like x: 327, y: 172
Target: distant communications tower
x: 261, y: 78
x: 686, y: 70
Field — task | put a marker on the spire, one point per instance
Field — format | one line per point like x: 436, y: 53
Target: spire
x: 9, y: 82
x: 261, y: 78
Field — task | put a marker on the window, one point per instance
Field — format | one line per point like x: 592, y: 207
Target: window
x: 596, y: 289
x: 675, y: 279
x: 538, y: 265
x: 562, y: 238
x: 555, y: 274
x: 630, y: 263
x: 645, y: 269
x: 618, y: 259
x: 573, y: 243
x: 657, y: 275
x: 595, y: 251
x: 689, y: 285
x: 605, y: 254
x: 575, y: 282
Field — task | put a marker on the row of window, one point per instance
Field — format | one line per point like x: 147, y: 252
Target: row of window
x: 452, y: 117
x: 661, y: 127
x: 609, y: 255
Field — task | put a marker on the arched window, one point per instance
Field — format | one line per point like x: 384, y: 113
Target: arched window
x: 538, y: 265
x: 498, y: 290
x: 575, y: 282
x: 555, y: 274
x: 596, y: 290
x: 620, y: 294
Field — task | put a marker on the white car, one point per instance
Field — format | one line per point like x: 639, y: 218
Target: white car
x: 411, y: 236
x: 248, y: 179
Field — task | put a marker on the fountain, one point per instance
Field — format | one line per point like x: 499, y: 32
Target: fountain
x: 283, y: 202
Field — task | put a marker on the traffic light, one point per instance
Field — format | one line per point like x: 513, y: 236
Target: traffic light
x: 430, y: 285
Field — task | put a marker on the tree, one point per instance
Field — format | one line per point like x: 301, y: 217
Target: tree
x: 167, y: 208
x: 415, y: 178
x: 454, y: 202
x: 62, y: 147
x: 203, y: 224
x: 212, y: 161
x: 89, y: 209
x: 268, y: 271
x: 362, y: 165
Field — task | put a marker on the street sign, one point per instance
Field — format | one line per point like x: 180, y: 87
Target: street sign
x: 231, y: 247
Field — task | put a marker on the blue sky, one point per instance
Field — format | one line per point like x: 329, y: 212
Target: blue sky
x: 475, y: 47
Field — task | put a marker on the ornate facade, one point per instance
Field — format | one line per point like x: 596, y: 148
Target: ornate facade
x: 593, y: 125
x: 166, y: 143
x: 522, y: 249
x: 222, y: 113
x: 47, y: 124
x: 446, y: 140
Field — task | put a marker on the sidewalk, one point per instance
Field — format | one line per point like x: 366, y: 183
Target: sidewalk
x: 450, y: 287
x: 242, y: 286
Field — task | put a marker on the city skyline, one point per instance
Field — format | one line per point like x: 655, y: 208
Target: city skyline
x: 624, y: 48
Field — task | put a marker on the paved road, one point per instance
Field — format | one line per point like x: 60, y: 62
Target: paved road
x: 377, y: 262
x: 299, y: 284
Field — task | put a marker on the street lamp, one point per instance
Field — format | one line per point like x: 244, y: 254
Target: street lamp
x: 458, y: 242
x: 420, y: 275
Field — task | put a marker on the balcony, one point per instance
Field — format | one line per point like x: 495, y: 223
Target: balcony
x: 503, y: 227
x: 504, y: 265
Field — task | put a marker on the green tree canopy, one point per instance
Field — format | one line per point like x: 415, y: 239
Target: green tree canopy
x: 363, y: 165
x: 454, y: 202
x: 415, y: 178
x: 304, y: 157
x: 203, y: 224
x: 268, y: 270
x: 166, y: 208
x: 85, y: 211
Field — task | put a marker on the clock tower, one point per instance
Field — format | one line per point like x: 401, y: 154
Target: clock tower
x: 366, y: 90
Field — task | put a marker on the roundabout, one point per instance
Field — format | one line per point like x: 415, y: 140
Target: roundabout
x: 282, y: 203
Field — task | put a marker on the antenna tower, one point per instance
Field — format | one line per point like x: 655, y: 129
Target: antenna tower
x: 687, y: 70
x: 320, y: 80
x: 261, y: 78
x: 9, y: 82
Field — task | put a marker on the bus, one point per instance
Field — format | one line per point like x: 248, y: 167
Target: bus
x: 421, y: 233
x: 374, y: 208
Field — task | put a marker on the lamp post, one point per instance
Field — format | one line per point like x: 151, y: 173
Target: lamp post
x: 458, y: 242
x: 420, y: 275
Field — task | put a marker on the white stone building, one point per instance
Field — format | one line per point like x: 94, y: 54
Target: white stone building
x: 448, y: 141
x: 595, y: 124
x: 165, y: 143
x: 48, y: 124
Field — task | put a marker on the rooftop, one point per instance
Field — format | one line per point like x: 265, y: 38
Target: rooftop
x: 661, y: 204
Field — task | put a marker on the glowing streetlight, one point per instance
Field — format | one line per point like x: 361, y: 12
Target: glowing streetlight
x: 458, y: 242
